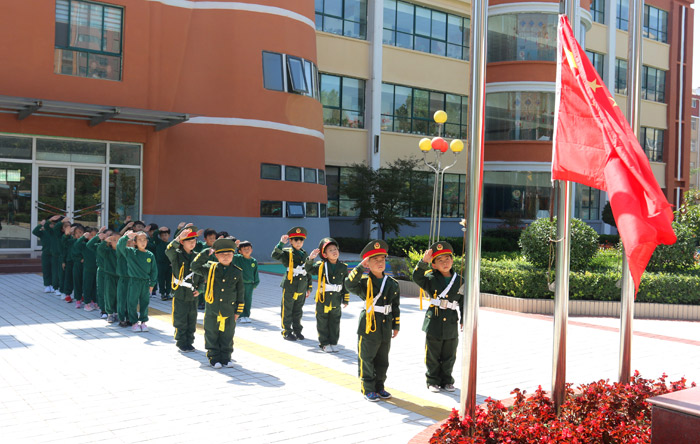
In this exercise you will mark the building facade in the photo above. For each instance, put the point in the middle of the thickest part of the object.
(695, 140)
(162, 110)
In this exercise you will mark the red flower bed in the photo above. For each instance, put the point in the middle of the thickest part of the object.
(600, 413)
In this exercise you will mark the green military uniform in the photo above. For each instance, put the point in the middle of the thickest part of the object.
(294, 286)
(54, 240)
(377, 321)
(164, 268)
(46, 239)
(441, 319)
(184, 302)
(76, 256)
(331, 292)
(251, 277)
(122, 288)
(143, 273)
(110, 280)
(91, 247)
(66, 245)
(89, 273)
(224, 299)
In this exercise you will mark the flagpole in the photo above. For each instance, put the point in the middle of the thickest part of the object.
(634, 69)
(475, 168)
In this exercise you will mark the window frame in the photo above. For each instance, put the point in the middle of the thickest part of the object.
(310, 205)
(289, 206)
(286, 175)
(262, 176)
(281, 206)
(343, 19)
(292, 75)
(340, 109)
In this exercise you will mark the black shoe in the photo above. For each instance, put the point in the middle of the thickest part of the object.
(200, 307)
(299, 336)
(290, 337)
(164, 297)
(122, 323)
(190, 348)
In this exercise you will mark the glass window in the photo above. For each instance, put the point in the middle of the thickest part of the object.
(653, 84)
(295, 209)
(324, 212)
(270, 171)
(292, 173)
(516, 194)
(16, 147)
(270, 208)
(124, 194)
(652, 140)
(342, 17)
(655, 24)
(524, 36)
(272, 71)
(427, 30)
(621, 76)
(321, 177)
(519, 116)
(338, 203)
(15, 204)
(124, 154)
(453, 195)
(587, 203)
(310, 175)
(296, 75)
(71, 150)
(598, 11)
(311, 209)
(623, 14)
(343, 100)
(598, 62)
(88, 39)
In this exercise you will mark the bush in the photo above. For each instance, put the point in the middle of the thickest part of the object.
(537, 242)
(351, 244)
(600, 413)
(679, 256)
(609, 239)
(510, 235)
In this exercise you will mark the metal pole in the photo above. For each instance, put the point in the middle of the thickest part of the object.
(634, 69)
(475, 170)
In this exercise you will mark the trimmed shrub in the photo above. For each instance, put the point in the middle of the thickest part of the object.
(537, 241)
(350, 244)
(679, 256)
(609, 239)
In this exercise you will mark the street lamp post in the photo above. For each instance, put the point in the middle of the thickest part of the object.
(439, 147)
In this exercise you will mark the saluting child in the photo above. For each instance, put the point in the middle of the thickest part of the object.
(251, 279)
(165, 272)
(296, 285)
(107, 250)
(379, 320)
(45, 238)
(330, 292)
(446, 311)
(143, 273)
(181, 253)
(224, 300)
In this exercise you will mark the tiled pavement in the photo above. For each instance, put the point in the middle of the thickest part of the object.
(67, 376)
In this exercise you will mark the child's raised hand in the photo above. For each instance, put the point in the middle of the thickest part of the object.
(102, 235)
(183, 233)
(102, 230)
(284, 239)
(127, 219)
(428, 256)
(42, 222)
(237, 243)
(314, 253)
(148, 228)
(364, 262)
(130, 234)
(180, 225)
(200, 231)
(211, 251)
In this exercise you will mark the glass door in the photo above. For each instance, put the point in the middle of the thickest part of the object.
(88, 196)
(52, 194)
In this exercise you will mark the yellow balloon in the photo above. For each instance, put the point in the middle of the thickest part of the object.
(456, 146)
(440, 116)
(424, 145)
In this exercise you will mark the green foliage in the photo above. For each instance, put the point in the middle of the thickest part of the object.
(679, 256)
(400, 246)
(688, 213)
(538, 246)
(351, 244)
(608, 217)
(609, 239)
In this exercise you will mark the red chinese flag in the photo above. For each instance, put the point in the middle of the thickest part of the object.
(595, 146)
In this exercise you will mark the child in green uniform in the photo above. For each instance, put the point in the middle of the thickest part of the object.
(379, 320)
(165, 272)
(224, 298)
(89, 272)
(181, 253)
(251, 279)
(296, 286)
(107, 250)
(54, 235)
(446, 311)
(210, 237)
(65, 247)
(92, 246)
(77, 259)
(45, 238)
(123, 285)
(330, 292)
(143, 273)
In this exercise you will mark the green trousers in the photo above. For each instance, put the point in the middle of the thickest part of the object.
(109, 285)
(292, 304)
(328, 322)
(78, 281)
(122, 297)
(440, 357)
(89, 285)
(373, 362)
(67, 281)
(219, 344)
(185, 321)
(100, 289)
(137, 301)
(248, 300)
(56, 272)
(46, 268)
(164, 276)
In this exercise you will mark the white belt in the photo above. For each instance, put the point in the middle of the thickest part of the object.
(333, 287)
(444, 303)
(299, 270)
(382, 309)
(187, 285)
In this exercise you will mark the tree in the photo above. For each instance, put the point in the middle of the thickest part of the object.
(383, 196)
(688, 213)
(608, 217)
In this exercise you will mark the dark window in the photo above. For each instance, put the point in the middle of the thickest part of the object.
(338, 202)
(653, 84)
(124, 154)
(655, 24)
(310, 175)
(292, 173)
(342, 17)
(88, 39)
(272, 71)
(598, 11)
(520, 115)
(598, 62)
(652, 140)
(620, 76)
(623, 13)
(16, 147)
(343, 100)
(324, 213)
(295, 209)
(270, 171)
(321, 177)
(311, 209)
(270, 208)
(587, 203)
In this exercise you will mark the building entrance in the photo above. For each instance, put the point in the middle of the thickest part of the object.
(75, 191)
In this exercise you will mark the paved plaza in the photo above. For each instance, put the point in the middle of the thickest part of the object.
(68, 376)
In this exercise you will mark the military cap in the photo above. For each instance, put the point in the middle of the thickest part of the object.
(441, 248)
(191, 235)
(297, 232)
(375, 248)
(326, 241)
(244, 243)
(224, 245)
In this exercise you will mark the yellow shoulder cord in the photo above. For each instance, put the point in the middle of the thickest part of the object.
(435, 296)
(173, 283)
(290, 270)
(370, 317)
(209, 292)
(420, 298)
(321, 288)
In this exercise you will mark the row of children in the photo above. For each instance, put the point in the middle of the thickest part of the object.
(380, 318)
